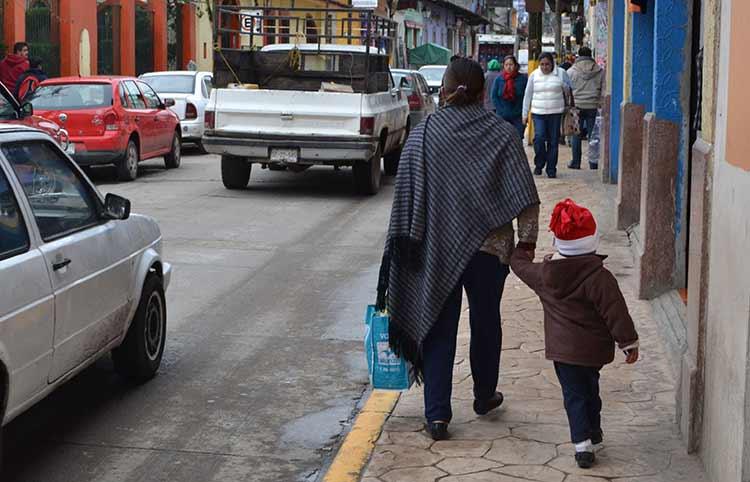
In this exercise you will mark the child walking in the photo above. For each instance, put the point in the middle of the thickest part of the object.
(584, 316)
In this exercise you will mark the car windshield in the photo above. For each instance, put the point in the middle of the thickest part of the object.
(171, 84)
(433, 74)
(71, 96)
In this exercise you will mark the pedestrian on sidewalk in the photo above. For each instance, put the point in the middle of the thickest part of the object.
(30, 80)
(493, 72)
(545, 101)
(587, 81)
(585, 314)
(463, 178)
(508, 93)
(14, 65)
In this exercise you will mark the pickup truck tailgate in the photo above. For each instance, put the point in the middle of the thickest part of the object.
(244, 111)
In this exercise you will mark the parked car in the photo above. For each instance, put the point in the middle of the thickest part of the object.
(417, 92)
(11, 112)
(81, 275)
(111, 120)
(433, 74)
(190, 91)
(332, 111)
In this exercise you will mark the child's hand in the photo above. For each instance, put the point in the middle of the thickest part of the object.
(631, 356)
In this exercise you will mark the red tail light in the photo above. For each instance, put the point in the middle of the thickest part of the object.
(367, 126)
(191, 112)
(111, 122)
(415, 101)
(210, 119)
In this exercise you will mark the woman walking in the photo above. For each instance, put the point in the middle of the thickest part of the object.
(545, 100)
(493, 72)
(463, 178)
(508, 93)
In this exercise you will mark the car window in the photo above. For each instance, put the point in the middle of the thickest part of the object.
(134, 95)
(14, 239)
(207, 85)
(71, 96)
(171, 83)
(433, 74)
(423, 84)
(152, 98)
(61, 201)
(7, 108)
(123, 96)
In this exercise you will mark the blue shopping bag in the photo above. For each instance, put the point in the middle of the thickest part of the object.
(387, 371)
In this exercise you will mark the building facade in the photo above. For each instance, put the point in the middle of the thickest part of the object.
(676, 144)
(110, 37)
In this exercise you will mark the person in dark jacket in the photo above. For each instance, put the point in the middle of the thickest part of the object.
(585, 314)
(493, 72)
(30, 80)
(507, 93)
(14, 65)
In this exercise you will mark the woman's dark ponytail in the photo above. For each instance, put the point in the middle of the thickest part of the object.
(464, 82)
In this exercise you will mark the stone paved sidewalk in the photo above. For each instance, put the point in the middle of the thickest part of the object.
(527, 439)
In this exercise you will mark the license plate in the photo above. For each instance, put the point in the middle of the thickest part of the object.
(289, 156)
(71, 149)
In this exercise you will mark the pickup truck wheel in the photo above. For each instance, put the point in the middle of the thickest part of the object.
(127, 168)
(139, 356)
(367, 174)
(174, 158)
(235, 172)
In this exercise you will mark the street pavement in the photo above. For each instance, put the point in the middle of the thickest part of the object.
(263, 368)
(528, 439)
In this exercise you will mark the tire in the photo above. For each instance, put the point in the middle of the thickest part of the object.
(174, 158)
(127, 168)
(235, 172)
(139, 356)
(367, 174)
(201, 148)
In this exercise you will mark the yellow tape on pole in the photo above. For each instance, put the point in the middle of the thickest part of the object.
(533, 65)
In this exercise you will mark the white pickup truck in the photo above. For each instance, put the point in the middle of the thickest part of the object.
(295, 106)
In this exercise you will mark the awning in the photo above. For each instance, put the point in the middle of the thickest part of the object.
(471, 18)
(429, 54)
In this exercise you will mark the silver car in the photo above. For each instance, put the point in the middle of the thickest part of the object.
(417, 92)
(80, 276)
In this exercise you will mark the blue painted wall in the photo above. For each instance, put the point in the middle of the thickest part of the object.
(642, 81)
(671, 60)
(617, 30)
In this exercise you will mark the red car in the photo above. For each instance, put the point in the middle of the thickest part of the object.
(11, 112)
(111, 120)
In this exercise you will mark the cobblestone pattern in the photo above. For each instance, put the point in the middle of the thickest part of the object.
(527, 439)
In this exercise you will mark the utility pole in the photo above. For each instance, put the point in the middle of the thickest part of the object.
(535, 36)
(558, 30)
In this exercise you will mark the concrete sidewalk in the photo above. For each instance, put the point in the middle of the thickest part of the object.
(527, 439)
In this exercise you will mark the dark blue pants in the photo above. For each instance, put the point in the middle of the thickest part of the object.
(546, 141)
(483, 280)
(580, 388)
(587, 119)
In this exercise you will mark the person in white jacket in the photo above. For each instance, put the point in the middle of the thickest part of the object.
(545, 101)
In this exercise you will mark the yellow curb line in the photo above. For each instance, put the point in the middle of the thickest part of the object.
(358, 445)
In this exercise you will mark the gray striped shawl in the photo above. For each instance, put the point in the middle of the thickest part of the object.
(463, 172)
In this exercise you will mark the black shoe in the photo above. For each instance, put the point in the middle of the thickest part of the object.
(538, 171)
(593, 166)
(573, 166)
(597, 437)
(585, 459)
(483, 407)
(437, 430)
(552, 175)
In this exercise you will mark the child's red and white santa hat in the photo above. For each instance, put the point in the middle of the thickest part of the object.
(574, 228)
